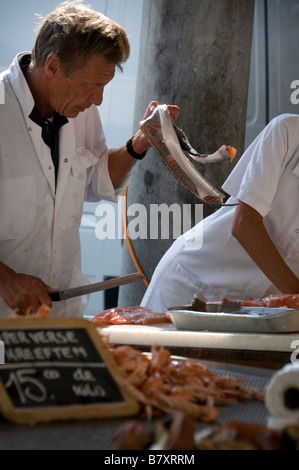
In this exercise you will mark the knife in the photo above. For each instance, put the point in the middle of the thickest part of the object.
(56, 296)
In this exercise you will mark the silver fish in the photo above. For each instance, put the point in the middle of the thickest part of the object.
(221, 155)
(162, 134)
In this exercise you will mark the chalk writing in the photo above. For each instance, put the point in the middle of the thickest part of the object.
(55, 367)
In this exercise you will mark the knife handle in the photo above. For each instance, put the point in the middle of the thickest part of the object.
(54, 296)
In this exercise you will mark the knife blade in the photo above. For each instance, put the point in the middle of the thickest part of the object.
(57, 296)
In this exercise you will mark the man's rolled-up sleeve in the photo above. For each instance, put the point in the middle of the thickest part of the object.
(101, 186)
(255, 178)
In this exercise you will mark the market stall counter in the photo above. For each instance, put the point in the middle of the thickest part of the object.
(48, 361)
(254, 349)
(98, 434)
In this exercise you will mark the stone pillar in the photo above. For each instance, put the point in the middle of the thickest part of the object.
(194, 54)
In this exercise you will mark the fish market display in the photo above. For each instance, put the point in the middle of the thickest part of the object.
(274, 301)
(170, 143)
(43, 311)
(161, 385)
(201, 304)
(173, 432)
(245, 436)
(177, 432)
(129, 316)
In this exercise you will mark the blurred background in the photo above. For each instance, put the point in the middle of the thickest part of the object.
(274, 67)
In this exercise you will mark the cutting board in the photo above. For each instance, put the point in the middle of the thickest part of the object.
(167, 335)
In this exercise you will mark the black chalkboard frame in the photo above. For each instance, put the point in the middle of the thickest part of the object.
(126, 406)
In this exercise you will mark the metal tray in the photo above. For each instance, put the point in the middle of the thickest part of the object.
(246, 319)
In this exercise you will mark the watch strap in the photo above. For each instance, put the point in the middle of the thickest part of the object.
(130, 150)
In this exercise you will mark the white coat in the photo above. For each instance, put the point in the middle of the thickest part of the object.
(208, 260)
(39, 226)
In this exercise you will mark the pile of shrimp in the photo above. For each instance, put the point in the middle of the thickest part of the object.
(44, 311)
(162, 385)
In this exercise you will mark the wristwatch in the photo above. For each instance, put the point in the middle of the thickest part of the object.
(130, 150)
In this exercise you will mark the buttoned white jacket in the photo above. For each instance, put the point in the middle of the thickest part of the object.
(39, 225)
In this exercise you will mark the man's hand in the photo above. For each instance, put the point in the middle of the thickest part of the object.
(140, 141)
(120, 162)
(174, 111)
(23, 293)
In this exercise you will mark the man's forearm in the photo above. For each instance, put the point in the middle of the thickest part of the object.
(121, 162)
(248, 228)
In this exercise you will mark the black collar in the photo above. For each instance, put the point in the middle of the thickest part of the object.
(58, 120)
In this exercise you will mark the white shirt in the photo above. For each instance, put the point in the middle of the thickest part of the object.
(39, 227)
(208, 259)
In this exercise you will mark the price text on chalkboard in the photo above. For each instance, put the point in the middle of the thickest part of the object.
(55, 368)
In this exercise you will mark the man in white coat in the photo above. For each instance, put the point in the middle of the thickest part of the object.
(53, 154)
(248, 250)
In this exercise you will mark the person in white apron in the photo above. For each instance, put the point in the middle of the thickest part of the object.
(53, 155)
(245, 251)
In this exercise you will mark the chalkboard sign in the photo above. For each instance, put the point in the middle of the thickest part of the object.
(58, 369)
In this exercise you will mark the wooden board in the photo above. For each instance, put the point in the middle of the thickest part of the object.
(1, 352)
(58, 369)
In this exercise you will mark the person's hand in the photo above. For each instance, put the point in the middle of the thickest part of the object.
(174, 111)
(24, 293)
(140, 142)
(121, 161)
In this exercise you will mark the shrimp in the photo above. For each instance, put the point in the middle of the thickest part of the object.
(207, 414)
(162, 385)
(161, 358)
(43, 311)
(132, 363)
